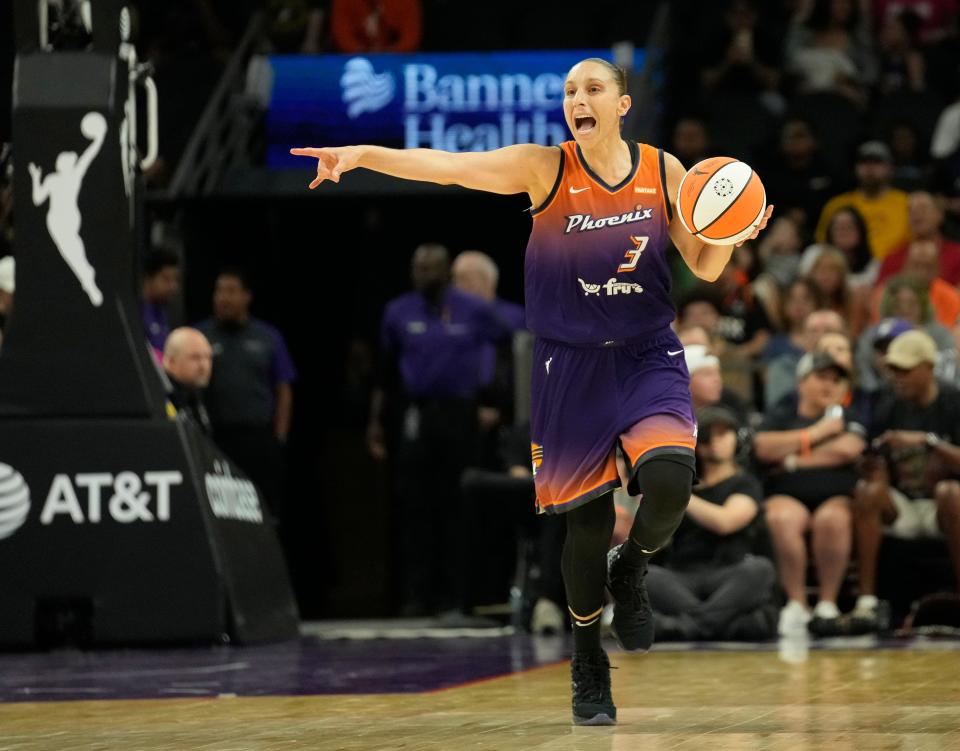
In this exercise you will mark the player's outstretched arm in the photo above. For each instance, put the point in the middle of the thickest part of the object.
(705, 261)
(513, 169)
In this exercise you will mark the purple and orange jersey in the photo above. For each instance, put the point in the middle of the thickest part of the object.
(596, 265)
(607, 368)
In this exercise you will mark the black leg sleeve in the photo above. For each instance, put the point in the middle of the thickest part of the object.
(666, 483)
(584, 565)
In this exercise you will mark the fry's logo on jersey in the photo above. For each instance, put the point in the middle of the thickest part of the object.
(612, 287)
(585, 222)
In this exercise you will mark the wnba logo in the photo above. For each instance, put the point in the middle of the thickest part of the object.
(14, 500)
(363, 89)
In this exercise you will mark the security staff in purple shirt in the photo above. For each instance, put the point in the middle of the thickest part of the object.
(477, 273)
(433, 343)
(161, 283)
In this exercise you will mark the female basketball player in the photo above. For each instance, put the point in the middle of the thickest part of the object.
(607, 366)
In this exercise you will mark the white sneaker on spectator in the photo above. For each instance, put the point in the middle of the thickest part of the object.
(547, 618)
(794, 618)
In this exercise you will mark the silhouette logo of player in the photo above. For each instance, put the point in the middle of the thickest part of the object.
(62, 187)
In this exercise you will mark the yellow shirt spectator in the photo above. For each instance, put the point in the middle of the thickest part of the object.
(884, 209)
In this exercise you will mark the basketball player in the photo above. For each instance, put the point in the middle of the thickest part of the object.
(607, 366)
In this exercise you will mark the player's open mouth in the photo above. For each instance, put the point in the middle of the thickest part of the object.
(584, 124)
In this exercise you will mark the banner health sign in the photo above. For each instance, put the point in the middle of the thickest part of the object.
(453, 101)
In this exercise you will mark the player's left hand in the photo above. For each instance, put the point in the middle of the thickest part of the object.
(762, 225)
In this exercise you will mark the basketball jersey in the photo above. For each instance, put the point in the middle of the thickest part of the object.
(596, 269)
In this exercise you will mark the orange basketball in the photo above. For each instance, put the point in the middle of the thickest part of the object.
(721, 200)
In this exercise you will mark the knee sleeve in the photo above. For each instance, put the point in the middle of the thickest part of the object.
(666, 483)
(584, 560)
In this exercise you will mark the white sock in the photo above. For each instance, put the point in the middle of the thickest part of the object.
(866, 602)
(826, 609)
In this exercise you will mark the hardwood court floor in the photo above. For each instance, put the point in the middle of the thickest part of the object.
(833, 699)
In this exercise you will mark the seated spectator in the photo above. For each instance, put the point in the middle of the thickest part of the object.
(911, 168)
(706, 382)
(923, 266)
(691, 141)
(926, 221)
(901, 63)
(384, 26)
(809, 453)
(708, 585)
(910, 489)
(904, 297)
(828, 49)
(742, 61)
(743, 321)
(872, 371)
(847, 232)
(800, 300)
(161, 283)
(779, 255)
(782, 371)
(7, 288)
(883, 207)
(798, 175)
(828, 270)
(188, 362)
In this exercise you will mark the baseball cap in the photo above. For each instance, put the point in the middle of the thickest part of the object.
(716, 414)
(910, 349)
(874, 151)
(816, 361)
(890, 328)
(7, 274)
(698, 356)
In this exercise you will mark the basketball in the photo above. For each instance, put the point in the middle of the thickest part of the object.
(721, 200)
(93, 125)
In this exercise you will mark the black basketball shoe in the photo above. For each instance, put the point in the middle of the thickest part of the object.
(592, 700)
(632, 615)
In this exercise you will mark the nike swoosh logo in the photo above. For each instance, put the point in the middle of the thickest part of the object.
(698, 172)
(579, 190)
(672, 354)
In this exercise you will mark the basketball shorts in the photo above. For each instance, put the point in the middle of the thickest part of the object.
(586, 400)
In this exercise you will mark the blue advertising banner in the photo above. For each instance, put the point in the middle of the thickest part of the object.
(454, 101)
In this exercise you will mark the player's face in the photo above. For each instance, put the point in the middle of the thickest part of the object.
(592, 104)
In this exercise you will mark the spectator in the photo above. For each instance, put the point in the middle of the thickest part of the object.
(872, 346)
(809, 453)
(250, 397)
(706, 382)
(801, 299)
(910, 489)
(7, 288)
(691, 141)
(295, 26)
(378, 26)
(799, 175)
(847, 232)
(828, 49)
(188, 362)
(933, 19)
(911, 170)
(434, 340)
(922, 265)
(926, 221)
(902, 67)
(743, 321)
(781, 372)
(884, 208)
(907, 298)
(829, 272)
(161, 283)
(743, 60)
(945, 150)
(710, 586)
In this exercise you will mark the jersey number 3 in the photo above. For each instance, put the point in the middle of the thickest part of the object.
(632, 256)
